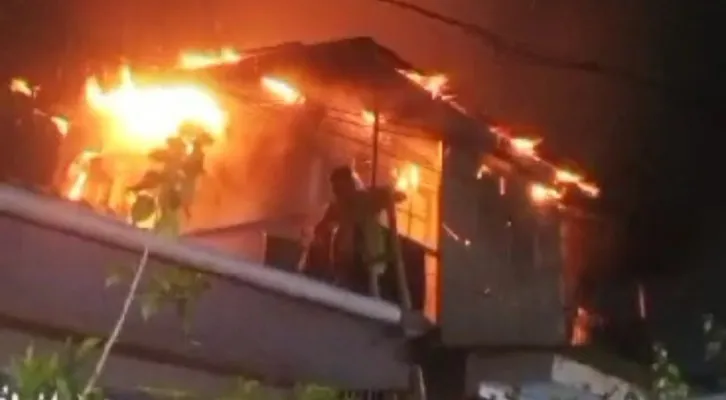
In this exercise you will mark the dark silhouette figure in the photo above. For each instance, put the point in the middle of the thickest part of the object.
(349, 245)
(29, 143)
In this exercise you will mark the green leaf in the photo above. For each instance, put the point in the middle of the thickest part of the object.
(30, 353)
(86, 346)
(708, 322)
(150, 305)
(184, 311)
(63, 389)
(168, 224)
(315, 392)
(118, 274)
(143, 208)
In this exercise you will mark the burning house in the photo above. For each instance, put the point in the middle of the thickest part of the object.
(486, 227)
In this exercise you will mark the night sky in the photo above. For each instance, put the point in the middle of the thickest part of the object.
(656, 151)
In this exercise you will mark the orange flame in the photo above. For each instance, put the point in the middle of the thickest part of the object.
(565, 176)
(20, 85)
(283, 90)
(581, 326)
(525, 147)
(369, 118)
(436, 84)
(483, 170)
(143, 116)
(569, 177)
(408, 179)
(590, 189)
(541, 194)
(62, 124)
(199, 60)
(79, 168)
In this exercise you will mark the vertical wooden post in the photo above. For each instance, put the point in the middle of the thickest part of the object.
(376, 135)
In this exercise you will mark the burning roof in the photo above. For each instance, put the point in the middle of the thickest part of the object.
(380, 80)
(144, 107)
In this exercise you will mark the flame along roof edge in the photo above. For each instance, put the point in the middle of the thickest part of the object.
(450, 121)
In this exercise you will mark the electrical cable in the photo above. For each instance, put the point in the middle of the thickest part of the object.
(521, 52)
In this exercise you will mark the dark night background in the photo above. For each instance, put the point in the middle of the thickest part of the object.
(656, 151)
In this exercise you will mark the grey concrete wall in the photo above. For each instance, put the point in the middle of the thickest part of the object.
(52, 285)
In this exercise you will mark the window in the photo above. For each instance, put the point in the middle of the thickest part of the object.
(415, 217)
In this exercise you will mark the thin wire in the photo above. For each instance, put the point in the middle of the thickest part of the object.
(522, 52)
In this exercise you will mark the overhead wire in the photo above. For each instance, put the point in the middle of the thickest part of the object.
(343, 116)
(523, 53)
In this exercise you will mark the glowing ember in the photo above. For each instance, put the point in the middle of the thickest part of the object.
(369, 118)
(79, 174)
(524, 147)
(408, 179)
(436, 84)
(143, 116)
(199, 60)
(483, 170)
(565, 176)
(283, 90)
(568, 177)
(589, 189)
(19, 85)
(62, 124)
(581, 326)
(541, 194)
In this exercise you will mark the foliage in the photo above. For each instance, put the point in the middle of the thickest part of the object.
(245, 389)
(668, 384)
(51, 374)
(715, 336)
(162, 196)
(315, 392)
(178, 287)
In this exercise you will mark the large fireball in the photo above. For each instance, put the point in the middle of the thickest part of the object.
(140, 117)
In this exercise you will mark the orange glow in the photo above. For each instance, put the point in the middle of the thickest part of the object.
(79, 175)
(62, 124)
(568, 177)
(589, 189)
(436, 84)
(141, 117)
(369, 118)
(565, 176)
(283, 90)
(483, 170)
(19, 85)
(541, 194)
(408, 179)
(581, 325)
(199, 60)
(524, 147)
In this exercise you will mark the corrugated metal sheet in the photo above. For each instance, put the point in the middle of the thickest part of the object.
(501, 266)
